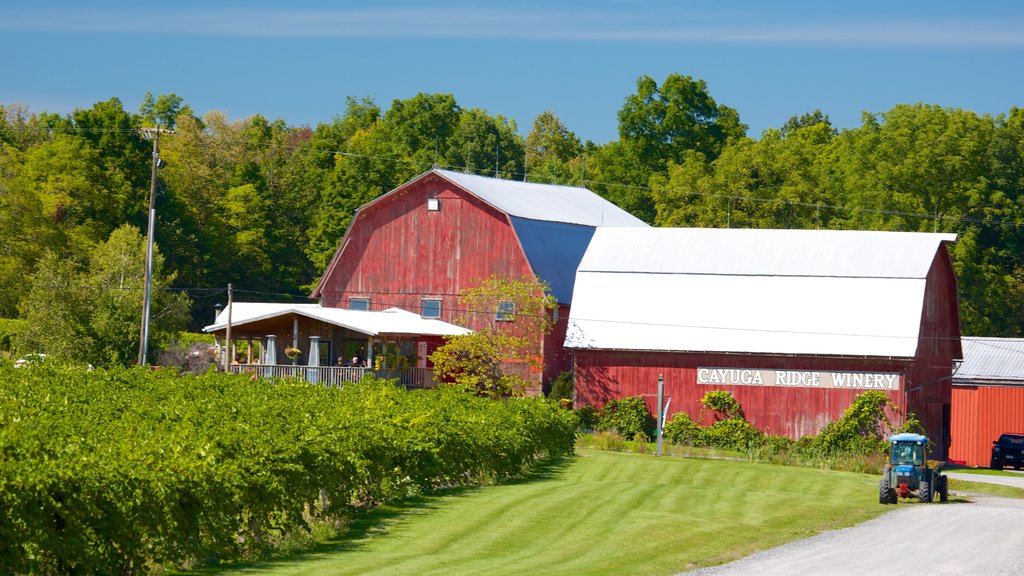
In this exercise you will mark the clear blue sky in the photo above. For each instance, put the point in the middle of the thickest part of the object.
(299, 60)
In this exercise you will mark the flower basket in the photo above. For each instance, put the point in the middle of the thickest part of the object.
(292, 353)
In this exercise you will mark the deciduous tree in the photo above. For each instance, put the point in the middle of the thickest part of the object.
(510, 318)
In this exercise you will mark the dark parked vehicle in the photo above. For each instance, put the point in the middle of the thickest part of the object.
(1008, 451)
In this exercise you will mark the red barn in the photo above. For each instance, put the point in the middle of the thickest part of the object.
(794, 323)
(420, 245)
(988, 397)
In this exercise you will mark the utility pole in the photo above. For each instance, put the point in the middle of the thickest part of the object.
(227, 333)
(144, 335)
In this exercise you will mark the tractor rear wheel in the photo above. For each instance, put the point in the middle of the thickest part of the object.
(943, 488)
(924, 491)
(886, 495)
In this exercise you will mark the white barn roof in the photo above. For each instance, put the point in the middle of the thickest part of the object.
(392, 321)
(545, 202)
(991, 361)
(826, 292)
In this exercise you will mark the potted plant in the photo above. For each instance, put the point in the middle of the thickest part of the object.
(292, 354)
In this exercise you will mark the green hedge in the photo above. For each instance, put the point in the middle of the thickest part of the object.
(10, 328)
(121, 471)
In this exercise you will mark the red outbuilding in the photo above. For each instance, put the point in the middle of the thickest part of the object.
(988, 397)
(794, 323)
(420, 245)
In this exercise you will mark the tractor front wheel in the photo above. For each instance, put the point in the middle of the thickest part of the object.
(924, 491)
(886, 495)
(943, 488)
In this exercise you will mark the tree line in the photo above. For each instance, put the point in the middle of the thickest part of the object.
(263, 204)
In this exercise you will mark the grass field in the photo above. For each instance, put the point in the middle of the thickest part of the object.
(598, 513)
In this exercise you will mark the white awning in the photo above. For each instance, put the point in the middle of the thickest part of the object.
(393, 321)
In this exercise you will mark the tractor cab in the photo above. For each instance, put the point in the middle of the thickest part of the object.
(907, 450)
(908, 473)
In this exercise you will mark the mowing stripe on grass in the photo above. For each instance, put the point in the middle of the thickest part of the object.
(600, 513)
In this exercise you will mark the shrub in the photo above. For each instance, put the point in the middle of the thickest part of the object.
(912, 425)
(723, 402)
(860, 430)
(10, 329)
(562, 388)
(681, 429)
(733, 434)
(629, 416)
(589, 418)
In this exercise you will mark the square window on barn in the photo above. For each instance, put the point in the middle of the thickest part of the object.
(358, 303)
(506, 312)
(430, 308)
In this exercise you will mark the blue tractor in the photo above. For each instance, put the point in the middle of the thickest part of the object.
(908, 474)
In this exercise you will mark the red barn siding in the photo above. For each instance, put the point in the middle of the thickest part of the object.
(792, 412)
(397, 252)
(980, 415)
(930, 379)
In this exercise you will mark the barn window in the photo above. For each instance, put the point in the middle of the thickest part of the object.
(506, 311)
(430, 308)
(358, 303)
(433, 204)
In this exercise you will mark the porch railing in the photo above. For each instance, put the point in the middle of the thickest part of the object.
(337, 376)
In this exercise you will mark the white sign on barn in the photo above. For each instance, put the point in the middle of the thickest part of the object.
(799, 378)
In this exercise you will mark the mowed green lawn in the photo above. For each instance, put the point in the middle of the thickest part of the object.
(598, 513)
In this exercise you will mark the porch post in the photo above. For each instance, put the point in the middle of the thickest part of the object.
(270, 355)
(295, 331)
(314, 359)
(369, 352)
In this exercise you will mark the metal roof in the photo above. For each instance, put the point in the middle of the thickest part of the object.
(752, 291)
(853, 253)
(546, 202)
(372, 323)
(991, 361)
(554, 251)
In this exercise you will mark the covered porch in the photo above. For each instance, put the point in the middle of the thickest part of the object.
(328, 345)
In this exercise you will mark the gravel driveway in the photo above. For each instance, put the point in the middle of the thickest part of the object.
(980, 537)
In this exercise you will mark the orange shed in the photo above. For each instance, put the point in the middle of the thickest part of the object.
(988, 397)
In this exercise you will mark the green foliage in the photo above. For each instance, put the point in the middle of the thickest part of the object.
(91, 312)
(120, 471)
(681, 429)
(551, 149)
(497, 358)
(732, 434)
(10, 330)
(856, 441)
(722, 402)
(234, 197)
(163, 110)
(861, 429)
(629, 417)
(664, 121)
(589, 418)
(562, 389)
(912, 425)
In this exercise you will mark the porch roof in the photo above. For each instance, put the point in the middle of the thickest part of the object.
(393, 321)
